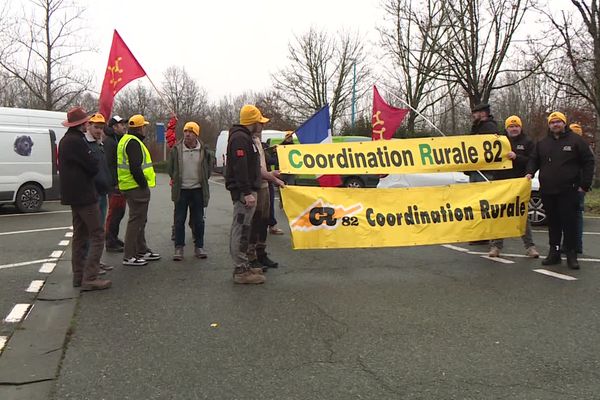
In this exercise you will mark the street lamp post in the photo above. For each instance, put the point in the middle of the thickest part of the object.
(353, 94)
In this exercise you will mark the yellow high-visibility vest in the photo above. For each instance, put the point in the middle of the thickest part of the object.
(126, 181)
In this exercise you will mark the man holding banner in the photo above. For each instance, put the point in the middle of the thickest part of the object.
(566, 166)
(243, 180)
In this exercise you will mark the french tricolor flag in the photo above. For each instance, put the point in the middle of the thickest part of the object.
(316, 129)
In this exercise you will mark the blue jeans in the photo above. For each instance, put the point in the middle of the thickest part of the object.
(192, 199)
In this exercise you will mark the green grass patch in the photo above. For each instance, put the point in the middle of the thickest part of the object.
(592, 202)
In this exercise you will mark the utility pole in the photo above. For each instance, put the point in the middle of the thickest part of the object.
(353, 95)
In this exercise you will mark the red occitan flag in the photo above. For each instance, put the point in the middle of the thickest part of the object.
(386, 119)
(122, 68)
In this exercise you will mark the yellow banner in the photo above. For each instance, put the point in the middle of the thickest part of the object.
(348, 218)
(403, 156)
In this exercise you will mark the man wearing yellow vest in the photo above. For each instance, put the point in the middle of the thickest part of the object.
(136, 176)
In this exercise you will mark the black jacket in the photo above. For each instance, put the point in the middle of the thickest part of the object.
(565, 163)
(102, 179)
(485, 127)
(242, 175)
(77, 167)
(111, 142)
(522, 146)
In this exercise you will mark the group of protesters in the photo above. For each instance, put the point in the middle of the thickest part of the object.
(565, 161)
(106, 168)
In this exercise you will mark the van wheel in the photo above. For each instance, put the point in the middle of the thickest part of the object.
(354, 182)
(536, 214)
(30, 198)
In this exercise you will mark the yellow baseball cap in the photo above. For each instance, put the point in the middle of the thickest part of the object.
(250, 114)
(557, 115)
(576, 128)
(97, 119)
(513, 120)
(193, 127)
(137, 120)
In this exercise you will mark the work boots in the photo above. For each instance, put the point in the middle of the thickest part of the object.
(572, 259)
(243, 275)
(553, 257)
(267, 262)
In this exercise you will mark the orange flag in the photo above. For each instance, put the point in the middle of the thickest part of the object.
(386, 119)
(122, 68)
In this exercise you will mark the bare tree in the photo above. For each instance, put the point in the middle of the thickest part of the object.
(414, 30)
(138, 99)
(478, 42)
(321, 71)
(40, 51)
(183, 94)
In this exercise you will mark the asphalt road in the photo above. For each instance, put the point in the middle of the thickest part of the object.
(25, 245)
(428, 322)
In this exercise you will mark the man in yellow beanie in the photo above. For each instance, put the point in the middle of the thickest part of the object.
(566, 166)
(521, 148)
(189, 168)
(243, 180)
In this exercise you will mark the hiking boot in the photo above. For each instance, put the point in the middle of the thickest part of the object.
(552, 258)
(106, 267)
(273, 230)
(120, 242)
(572, 260)
(494, 252)
(76, 282)
(134, 262)
(245, 276)
(267, 262)
(256, 267)
(149, 256)
(101, 272)
(200, 253)
(96, 284)
(532, 252)
(114, 248)
(178, 254)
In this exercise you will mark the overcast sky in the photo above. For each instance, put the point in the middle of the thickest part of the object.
(228, 46)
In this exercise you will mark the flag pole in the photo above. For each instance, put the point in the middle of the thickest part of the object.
(426, 119)
(160, 95)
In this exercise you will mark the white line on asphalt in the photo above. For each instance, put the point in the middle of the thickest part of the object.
(3, 340)
(452, 247)
(47, 268)
(555, 274)
(497, 259)
(21, 264)
(218, 183)
(37, 213)
(35, 286)
(585, 233)
(60, 228)
(69, 234)
(56, 254)
(17, 313)
(63, 243)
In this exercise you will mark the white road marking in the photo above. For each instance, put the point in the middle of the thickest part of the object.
(35, 286)
(452, 247)
(3, 340)
(63, 243)
(555, 274)
(585, 233)
(47, 268)
(56, 254)
(60, 228)
(21, 264)
(496, 259)
(17, 313)
(33, 214)
(69, 234)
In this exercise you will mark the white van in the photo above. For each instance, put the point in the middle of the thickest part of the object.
(28, 169)
(28, 152)
(221, 148)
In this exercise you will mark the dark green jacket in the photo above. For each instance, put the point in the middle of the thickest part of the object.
(174, 166)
